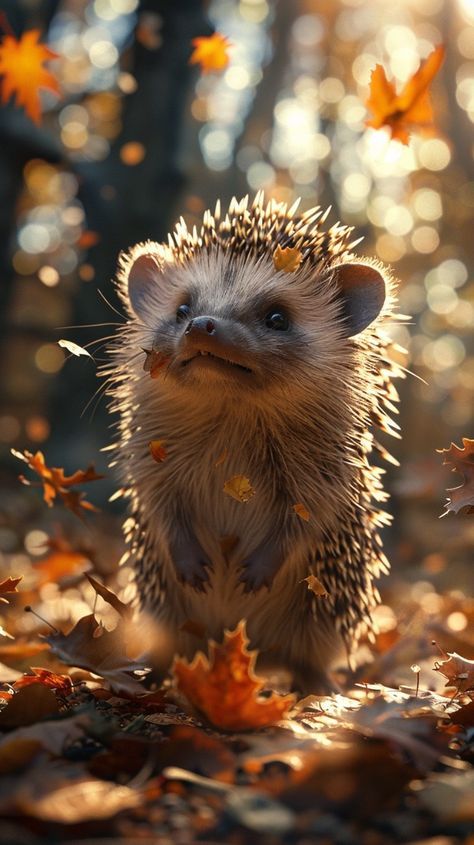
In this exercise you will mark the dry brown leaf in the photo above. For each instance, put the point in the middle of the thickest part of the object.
(9, 585)
(458, 670)
(301, 511)
(461, 460)
(225, 688)
(287, 258)
(157, 450)
(411, 108)
(56, 483)
(124, 610)
(211, 52)
(239, 488)
(315, 585)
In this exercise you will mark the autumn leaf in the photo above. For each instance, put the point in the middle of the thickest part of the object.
(411, 108)
(74, 348)
(287, 258)
(460, 460)
(62, 683)
(124, 610)
(88, 239)
(9, 585)
(211, 52)
(56, 483)
(157, 450)
(90, 646)
(315, 585)
(458, 670)
(225, 688)
(154, 362)
(239, 488)
(21, 66)
(301, 511)
(63, 560)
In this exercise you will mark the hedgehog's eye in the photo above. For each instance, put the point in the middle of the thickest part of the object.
(183, 313)
(277, 320)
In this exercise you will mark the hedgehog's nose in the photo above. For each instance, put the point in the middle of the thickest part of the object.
(200, 326)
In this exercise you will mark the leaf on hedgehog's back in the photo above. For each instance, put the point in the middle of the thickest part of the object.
(157, 450)
(211, 52)
(301, 511)
(461, 460)
(315, 585)
(225, 688)
(73, 348)
(287, 258)
(90, 646)
(239, 488)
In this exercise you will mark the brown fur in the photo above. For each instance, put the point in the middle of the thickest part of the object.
(300, 429)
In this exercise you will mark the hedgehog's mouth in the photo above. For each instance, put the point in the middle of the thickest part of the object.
(215, 360)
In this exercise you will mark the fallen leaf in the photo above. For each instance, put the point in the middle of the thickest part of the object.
(21, 649)
(411, 108)
(225, 688)
(240, 488)
(28, 706)
(157, 450)
(124, 610)
(301, 511)
(460, 460)
(287, 258)
(21, 65)
(73, 348)
(90, 646)
(314, 584)
(51, 735)
(458, 670)
(211, 52)
(9, 585)
(55, 482)
(154, 362)
(61, 683)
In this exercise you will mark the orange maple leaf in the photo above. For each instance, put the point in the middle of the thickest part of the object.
(21, 65)
(411, 108)
(225, 688)
(211, 52)
(55, 482)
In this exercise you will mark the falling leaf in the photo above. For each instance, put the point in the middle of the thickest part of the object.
(301, 511)
(154, 362)
(225, 688)
(124, 610)
(411, 108)
(62, 561)
(240, 488)
(21, 66)
(458, 670)
(287, 258)
(211, 52)
(90, 646)
(87, 239)
(157, 450)
(462, 461)
(9, 585)
(74, 348)
(55, 482)
(315, 585)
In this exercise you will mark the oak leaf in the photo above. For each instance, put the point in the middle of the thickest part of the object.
(56, 483)
(21, 66)
(411, 108)
(239, 488)
(225, 688)
(287, 258)
(461, 460)
(211, 52)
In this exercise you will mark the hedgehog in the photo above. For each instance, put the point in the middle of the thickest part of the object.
(274, 377)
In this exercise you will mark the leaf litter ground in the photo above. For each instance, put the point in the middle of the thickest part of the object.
(93, 749)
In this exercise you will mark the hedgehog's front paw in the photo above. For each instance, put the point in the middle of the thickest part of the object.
(260, 568)
(190, 562)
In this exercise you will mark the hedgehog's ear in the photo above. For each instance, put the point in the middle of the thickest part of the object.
(362, 293)
(142, 280)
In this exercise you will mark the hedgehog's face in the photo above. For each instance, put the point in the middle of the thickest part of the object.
(228, 324)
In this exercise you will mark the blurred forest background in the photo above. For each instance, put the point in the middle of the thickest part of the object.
(139, 137)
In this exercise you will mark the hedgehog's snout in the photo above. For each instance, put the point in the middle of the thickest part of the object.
(201, 325)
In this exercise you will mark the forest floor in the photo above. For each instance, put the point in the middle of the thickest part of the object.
(91, 751)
